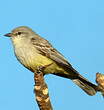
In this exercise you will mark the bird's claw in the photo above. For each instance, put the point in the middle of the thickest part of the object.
(41, 68)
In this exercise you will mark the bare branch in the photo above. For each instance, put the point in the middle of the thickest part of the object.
(100, 82)
(41, 91)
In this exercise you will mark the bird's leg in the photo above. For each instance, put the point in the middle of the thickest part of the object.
(41, 68)
(39, 74)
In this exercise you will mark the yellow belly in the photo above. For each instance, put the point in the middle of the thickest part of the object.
(40, 60)
(31, 59)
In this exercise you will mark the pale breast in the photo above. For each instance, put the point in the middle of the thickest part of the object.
(27, 55)
(31, 59)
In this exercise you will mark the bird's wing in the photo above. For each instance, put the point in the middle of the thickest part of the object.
(46, 49)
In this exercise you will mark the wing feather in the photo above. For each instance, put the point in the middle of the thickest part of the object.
(46, 49)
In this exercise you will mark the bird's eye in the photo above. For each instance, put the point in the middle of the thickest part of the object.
(19, 33)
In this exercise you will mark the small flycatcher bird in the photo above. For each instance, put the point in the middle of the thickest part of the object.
(33, 51)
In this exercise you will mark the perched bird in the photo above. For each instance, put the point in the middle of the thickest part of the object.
(33, 51)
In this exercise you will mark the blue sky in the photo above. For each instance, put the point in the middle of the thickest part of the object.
(75, 28)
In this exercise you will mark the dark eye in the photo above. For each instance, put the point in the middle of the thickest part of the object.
(19, 33)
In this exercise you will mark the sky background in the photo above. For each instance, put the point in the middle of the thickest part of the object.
(75, 28)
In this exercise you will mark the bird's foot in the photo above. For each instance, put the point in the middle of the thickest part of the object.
(41, 68)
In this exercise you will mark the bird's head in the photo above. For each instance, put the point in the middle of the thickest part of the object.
(20, 32)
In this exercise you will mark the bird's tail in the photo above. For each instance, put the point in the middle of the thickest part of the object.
(86, 85)
(83, 83)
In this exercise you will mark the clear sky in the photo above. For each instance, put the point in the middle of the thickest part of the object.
(75, 28)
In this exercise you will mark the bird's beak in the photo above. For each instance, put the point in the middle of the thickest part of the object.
(8, 35)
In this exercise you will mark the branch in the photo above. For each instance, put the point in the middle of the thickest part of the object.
(100, 82)
(41, 91)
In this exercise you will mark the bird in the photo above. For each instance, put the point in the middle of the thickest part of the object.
(33, 51)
